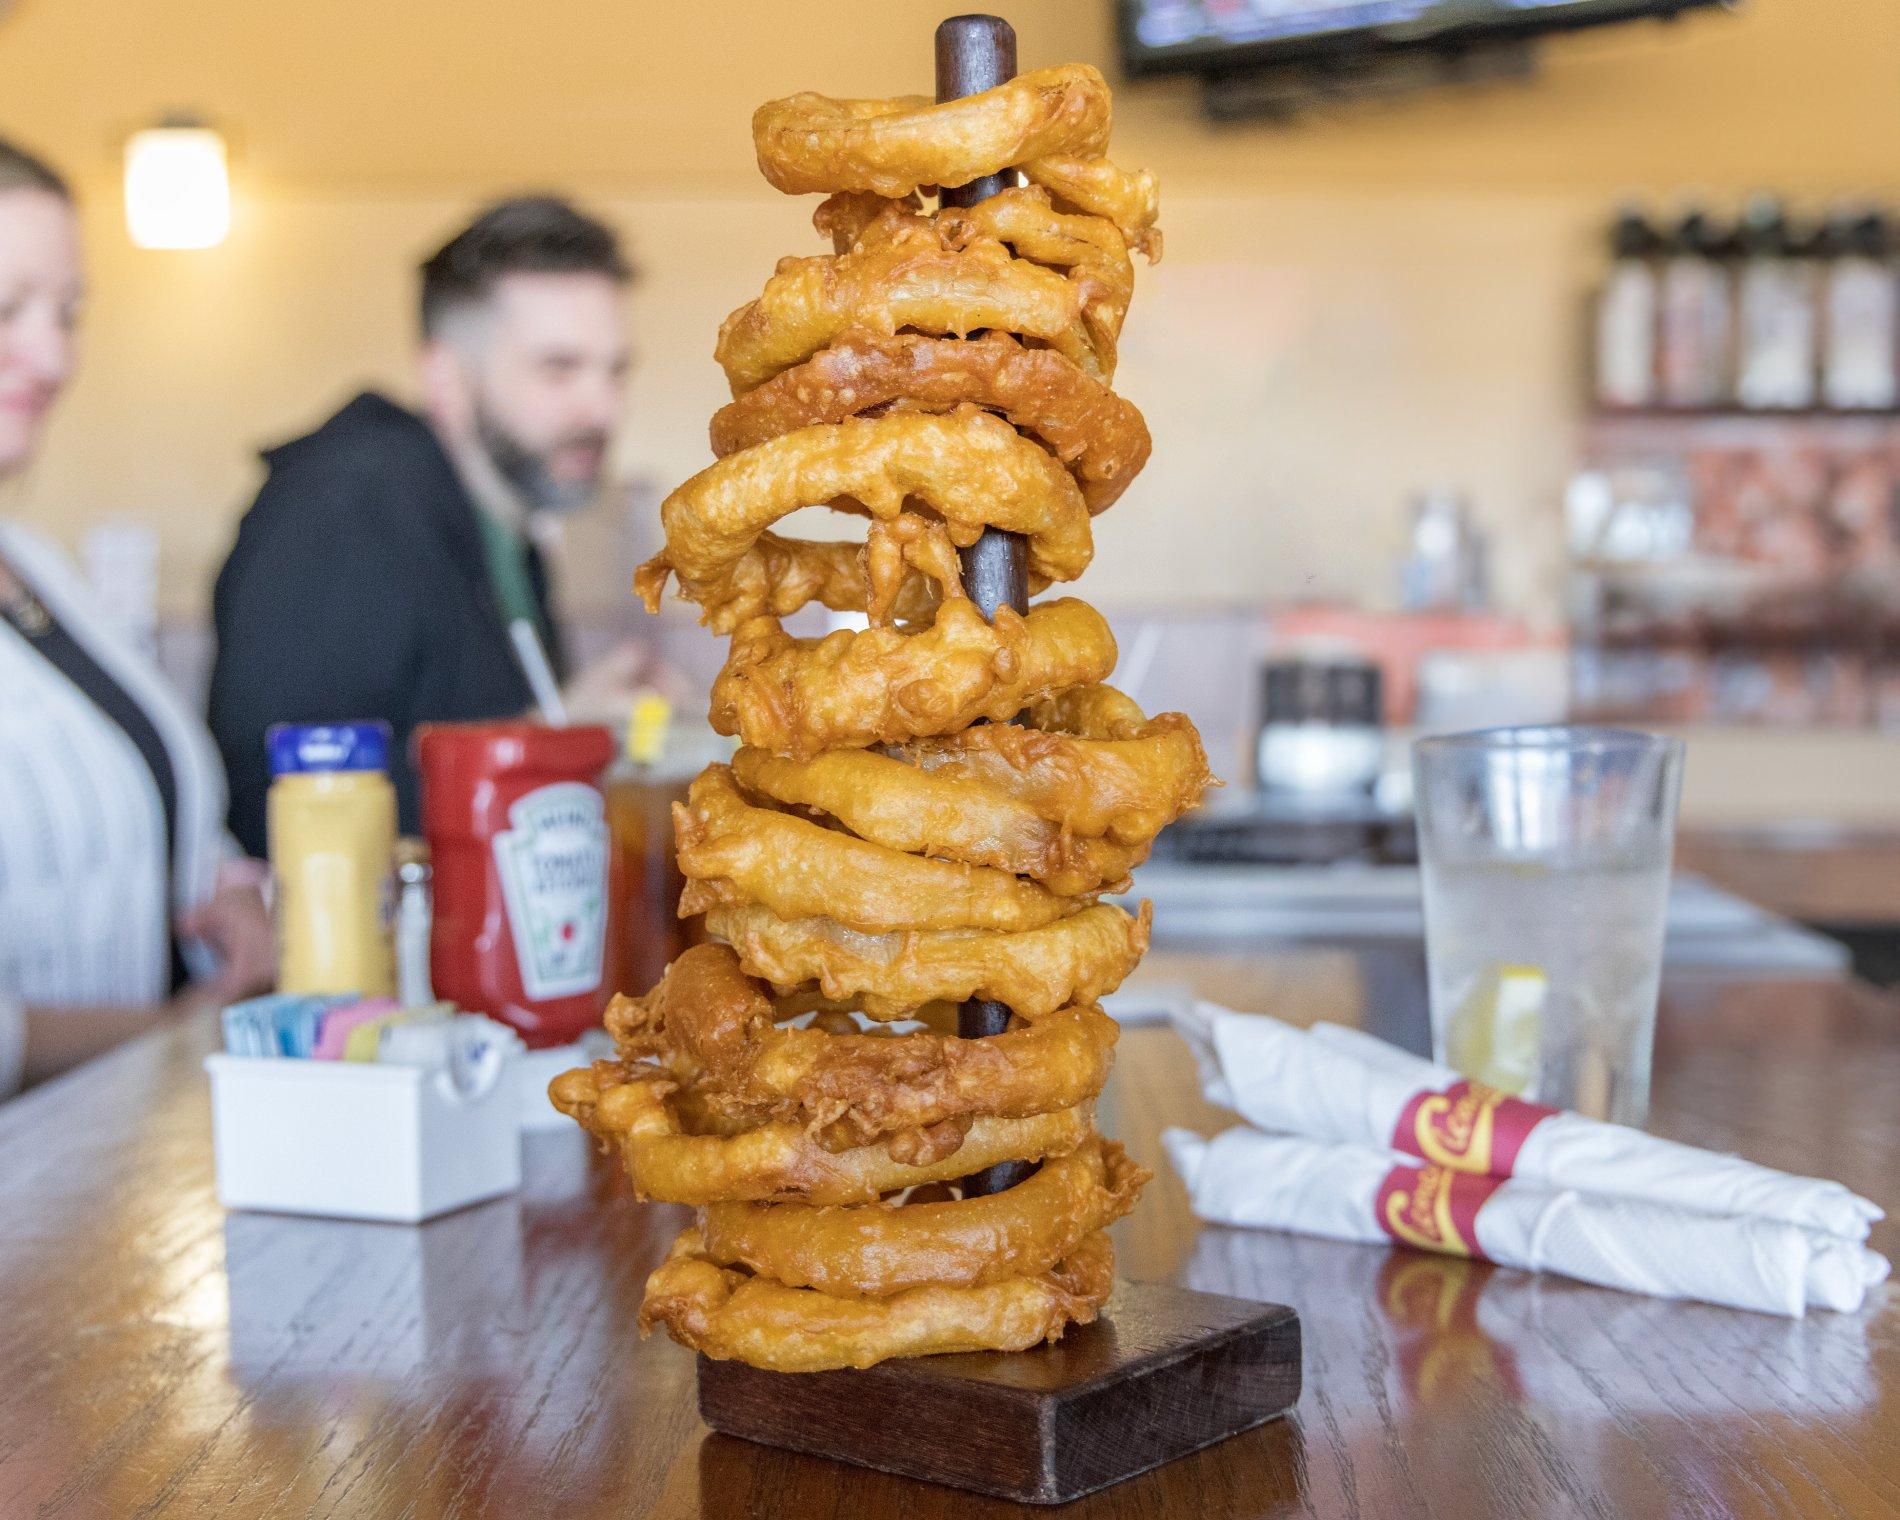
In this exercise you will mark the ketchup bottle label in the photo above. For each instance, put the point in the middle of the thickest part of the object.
(552, 862)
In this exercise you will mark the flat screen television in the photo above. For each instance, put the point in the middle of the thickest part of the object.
(1212, 36)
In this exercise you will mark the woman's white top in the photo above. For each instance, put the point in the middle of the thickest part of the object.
(85, 909)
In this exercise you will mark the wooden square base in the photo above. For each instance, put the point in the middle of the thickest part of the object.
(1165, 1371)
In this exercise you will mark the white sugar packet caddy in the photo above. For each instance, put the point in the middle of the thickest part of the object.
(1284, 1182)
(363, 1140)
(1336, 1084)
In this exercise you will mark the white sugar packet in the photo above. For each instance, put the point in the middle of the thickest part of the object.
(1338, 1084)
(1283, 1182)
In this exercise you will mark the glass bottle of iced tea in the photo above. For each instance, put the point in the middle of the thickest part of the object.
(644, 931)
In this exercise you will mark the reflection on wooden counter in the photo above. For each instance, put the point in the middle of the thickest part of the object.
(170, 1359)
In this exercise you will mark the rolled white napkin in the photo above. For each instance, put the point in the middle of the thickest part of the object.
(1354, 1192)
(1337, 1084)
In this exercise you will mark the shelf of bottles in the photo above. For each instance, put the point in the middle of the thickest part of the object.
(1734, 528)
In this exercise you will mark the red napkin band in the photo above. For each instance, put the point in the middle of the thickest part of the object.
(1433, 1208)
(1468, 1128)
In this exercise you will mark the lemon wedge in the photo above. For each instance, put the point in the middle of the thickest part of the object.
(1494, 1033)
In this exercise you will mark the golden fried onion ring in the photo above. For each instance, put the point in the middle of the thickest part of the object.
(1101, 437)
(928, 812)
(903, 571)
(970, 468)
(809, 142)
(1077, 959)
(798, 868)
(1053, 124)
(809, 302)
(1088, 249)
(1086, 756)
(847, 218)
(718, 1026)
(887, 1248)
(725, 1314)
(635, 1109)
(881, 686)
(776, 577)
(1129, 198)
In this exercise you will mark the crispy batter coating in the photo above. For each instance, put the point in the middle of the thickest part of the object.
(906, 568)
(775, 578)
(635, 1109)
(808, 302)
(1053, 124)
(1088, 249)
(725, 1314)
(1101, 437)
(1130, 199)
(797, 868)
(847, 690)
(809, 142)
(720, 1028)
(847, 218)
(907, 808)
(888, 1248)
(1121, 778)
(1077, 959)
(969, 468)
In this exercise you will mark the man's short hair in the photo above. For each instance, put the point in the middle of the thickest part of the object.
(529, 234)
(21, 170)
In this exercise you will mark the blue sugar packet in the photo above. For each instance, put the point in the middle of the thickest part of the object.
(249, 1029)
(282, 1024)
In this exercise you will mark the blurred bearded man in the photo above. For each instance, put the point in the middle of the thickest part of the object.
(383, 562)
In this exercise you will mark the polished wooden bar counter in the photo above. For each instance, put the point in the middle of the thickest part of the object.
(160, 1357)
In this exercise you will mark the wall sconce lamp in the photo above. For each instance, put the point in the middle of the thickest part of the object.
(177, 186)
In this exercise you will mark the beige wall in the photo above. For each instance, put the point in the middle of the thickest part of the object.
(1348, 307)
(654, 95)
(1299, 374)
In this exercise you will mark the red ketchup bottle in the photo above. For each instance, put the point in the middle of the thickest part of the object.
(518, 837)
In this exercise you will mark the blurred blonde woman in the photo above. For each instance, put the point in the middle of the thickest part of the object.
(115, 872)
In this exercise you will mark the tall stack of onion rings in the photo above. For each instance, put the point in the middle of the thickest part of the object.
(924, 810)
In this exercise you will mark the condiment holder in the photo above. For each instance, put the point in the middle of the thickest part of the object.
(363, 1140)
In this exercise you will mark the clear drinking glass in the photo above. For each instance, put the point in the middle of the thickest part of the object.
(1544, 854)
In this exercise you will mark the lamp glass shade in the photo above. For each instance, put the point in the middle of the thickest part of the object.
(177, 188)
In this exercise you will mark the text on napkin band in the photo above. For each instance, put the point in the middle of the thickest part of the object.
(1468, 1127)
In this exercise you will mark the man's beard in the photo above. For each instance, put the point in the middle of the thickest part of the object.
(526, 470)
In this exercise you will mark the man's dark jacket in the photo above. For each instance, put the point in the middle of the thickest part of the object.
(358, 588)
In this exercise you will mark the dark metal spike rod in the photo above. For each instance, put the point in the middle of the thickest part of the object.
(976, 53)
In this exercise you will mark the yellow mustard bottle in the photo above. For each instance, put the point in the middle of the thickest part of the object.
(331, 816)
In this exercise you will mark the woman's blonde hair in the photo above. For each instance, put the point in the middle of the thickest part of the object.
(21, 170)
